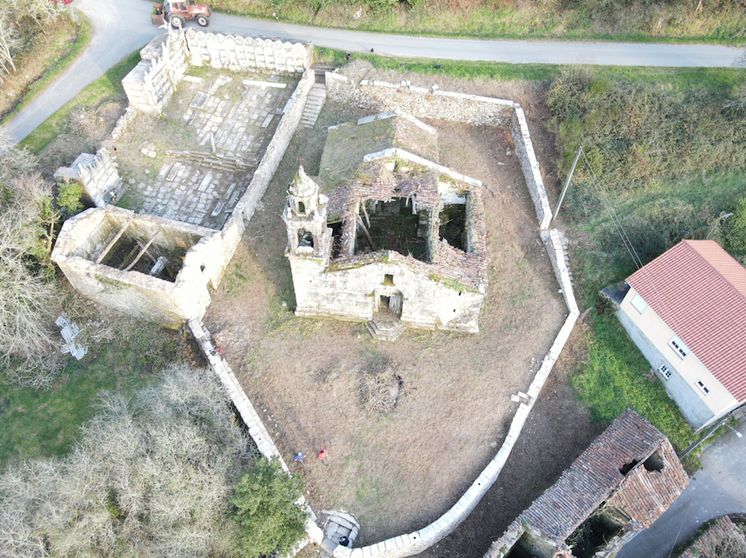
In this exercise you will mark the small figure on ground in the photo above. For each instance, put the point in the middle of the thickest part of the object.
(322, 456)
(371, 50)
(347, 57)
(299, 457)
(344, 541)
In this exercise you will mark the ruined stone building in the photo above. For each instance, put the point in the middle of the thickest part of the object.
(386, 235)
(617, 487)
(156, 259)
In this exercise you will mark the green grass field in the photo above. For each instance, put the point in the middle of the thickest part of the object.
(62, 57)
(37, 424)
(107, 87)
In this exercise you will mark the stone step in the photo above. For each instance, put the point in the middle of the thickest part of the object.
(385, 331)
(314, 103)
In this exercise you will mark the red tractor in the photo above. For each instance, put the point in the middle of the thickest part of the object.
(177, 12)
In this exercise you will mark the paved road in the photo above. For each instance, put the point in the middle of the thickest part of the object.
(122, 26)
(717, 489)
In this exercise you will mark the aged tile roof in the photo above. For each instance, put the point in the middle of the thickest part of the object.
(722, 539)
(699, 291)
(376, 182)
(595, 479)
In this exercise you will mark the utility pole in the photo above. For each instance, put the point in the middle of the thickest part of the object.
(567, 183)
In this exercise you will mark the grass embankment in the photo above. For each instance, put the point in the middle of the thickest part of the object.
(668, 149)
(106, 88)
(46, 423)
(49, 56)
(679, 21)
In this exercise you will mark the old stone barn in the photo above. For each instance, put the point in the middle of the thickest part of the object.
(385, 234)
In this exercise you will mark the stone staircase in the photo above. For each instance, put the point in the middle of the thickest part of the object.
(314, 102)
(385, 331)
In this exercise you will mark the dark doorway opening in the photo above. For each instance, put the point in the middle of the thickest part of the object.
(453, 225)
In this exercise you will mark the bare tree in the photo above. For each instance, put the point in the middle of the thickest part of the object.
(10, 42)
(29, 301)
(150, 476)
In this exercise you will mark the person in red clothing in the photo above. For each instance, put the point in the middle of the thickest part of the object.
(322, 456)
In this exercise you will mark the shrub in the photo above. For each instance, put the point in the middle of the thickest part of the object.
(734, 229)
(269, 520)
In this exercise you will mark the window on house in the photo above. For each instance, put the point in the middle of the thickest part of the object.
(679, 347)
(703, 388)
(665, 371)
(639, 303)
(388, 279)
(301, 208)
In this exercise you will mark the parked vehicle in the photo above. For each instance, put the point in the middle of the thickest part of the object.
(177, 12)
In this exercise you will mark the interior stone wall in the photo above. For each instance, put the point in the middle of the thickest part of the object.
(166, 59)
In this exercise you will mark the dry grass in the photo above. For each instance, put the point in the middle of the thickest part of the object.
(398, 468)
(46, 50)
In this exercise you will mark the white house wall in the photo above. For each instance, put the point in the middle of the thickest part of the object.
(352, 294)
(651, 335)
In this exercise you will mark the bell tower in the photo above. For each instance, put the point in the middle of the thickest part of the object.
(305, 218)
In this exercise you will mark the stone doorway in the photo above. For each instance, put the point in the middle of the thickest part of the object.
(389, 306)
(386, 323)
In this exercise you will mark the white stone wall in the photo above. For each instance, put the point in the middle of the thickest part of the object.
(524, 149)
(166, 59)
(250, 417)
(243, 54)
(346, 294)
(420, 102)
(277, 146)
(131, 292)
(417, 541)
(151, 84)
(97, 174)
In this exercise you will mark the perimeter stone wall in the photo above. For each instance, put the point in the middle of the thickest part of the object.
(277, 146)
(246, 54)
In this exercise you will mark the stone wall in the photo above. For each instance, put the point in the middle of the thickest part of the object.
(84, 237)
(524, 149)
(416, 542)
(166, 59)
(433, 103)
(151, 84)
(97, 174)
(151, 89)
(346, 293)
(246, 54)
(420, 102)
(276, 148)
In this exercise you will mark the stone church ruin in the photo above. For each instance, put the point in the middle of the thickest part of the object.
(392, 238)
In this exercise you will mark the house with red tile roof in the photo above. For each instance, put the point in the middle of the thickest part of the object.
(619, 486)
(686, 312)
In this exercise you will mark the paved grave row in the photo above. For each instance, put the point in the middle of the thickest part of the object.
(193, 194)
(234, 119)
